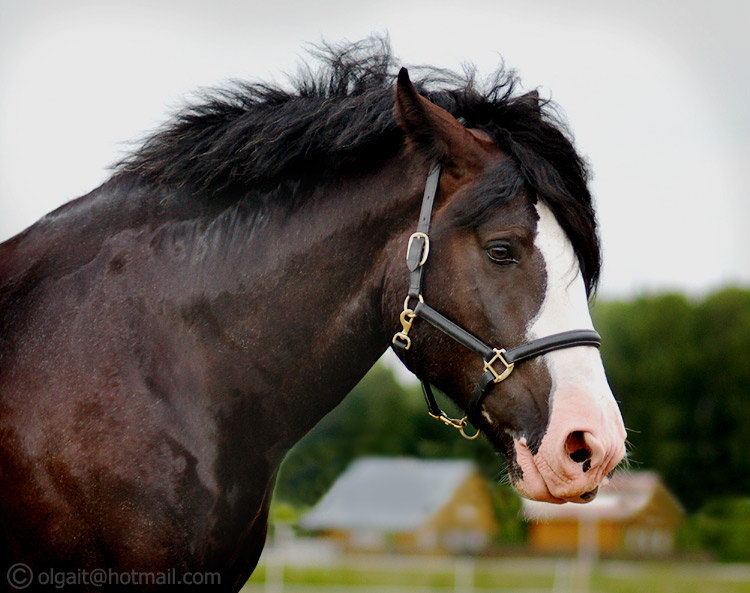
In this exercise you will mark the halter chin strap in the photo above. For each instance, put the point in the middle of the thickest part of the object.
(498, 362)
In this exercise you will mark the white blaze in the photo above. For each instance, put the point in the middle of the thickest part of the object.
(565, 306)
(581, 400)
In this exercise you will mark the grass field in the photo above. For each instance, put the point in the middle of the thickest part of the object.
(522, 575)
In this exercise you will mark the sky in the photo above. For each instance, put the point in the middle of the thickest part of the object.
(655, 93)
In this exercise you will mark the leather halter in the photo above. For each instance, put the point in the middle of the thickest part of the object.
(498, 362)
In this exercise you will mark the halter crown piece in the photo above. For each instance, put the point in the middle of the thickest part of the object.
(498, 362)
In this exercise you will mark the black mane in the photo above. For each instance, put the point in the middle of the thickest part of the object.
(340, 119)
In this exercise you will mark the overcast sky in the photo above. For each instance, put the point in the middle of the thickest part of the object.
(656, 93)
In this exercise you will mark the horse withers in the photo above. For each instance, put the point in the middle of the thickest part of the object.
(165, 339)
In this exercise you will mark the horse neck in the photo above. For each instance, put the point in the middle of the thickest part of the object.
(280, 308)
(296, 297)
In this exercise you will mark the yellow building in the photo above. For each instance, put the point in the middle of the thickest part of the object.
(407, 505)
(634, 515)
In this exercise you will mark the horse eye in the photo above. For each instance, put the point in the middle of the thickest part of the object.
(500, 254)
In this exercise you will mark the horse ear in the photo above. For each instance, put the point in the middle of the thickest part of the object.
(531, 100)
(412, 114)
(435, 132)
(431, 129)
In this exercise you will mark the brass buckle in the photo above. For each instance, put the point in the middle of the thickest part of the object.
(499, 358)
(457, 423)
(425, 247)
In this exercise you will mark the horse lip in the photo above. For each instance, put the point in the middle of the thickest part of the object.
(533, 484)
(590, 495)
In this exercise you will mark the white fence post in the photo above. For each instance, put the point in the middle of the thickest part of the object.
(274, 574)
(464, 574)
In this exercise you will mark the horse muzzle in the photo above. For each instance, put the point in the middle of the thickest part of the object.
(584, 443)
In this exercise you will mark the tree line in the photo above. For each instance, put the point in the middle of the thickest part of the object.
(681, 371)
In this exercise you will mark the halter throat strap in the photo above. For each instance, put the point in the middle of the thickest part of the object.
(498, 362)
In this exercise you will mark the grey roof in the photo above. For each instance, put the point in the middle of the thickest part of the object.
(623, 497)
(388, 494)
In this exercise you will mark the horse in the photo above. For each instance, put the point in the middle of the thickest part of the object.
(167, 338)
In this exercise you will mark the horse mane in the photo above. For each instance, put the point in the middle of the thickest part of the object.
(250, 138)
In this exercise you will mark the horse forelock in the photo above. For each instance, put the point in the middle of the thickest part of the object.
(338, 120)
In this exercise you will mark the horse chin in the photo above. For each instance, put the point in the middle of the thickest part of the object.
(531, 483)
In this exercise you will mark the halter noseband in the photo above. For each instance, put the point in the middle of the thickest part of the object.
(498, 362)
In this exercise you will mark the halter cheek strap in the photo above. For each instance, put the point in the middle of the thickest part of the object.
(498, 362)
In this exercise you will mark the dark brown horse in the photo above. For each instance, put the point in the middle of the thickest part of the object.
(165, 339)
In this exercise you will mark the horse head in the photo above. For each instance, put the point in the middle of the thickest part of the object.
(509, 265)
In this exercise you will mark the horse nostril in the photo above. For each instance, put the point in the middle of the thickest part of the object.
(576, 448)
(580, 455)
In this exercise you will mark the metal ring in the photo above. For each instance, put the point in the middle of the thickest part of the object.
(402, 336)
(467, 437)
(406, 302)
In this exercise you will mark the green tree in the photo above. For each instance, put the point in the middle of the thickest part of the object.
(680, 371)
(722, 526)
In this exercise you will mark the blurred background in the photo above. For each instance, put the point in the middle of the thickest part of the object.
(656, 95)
